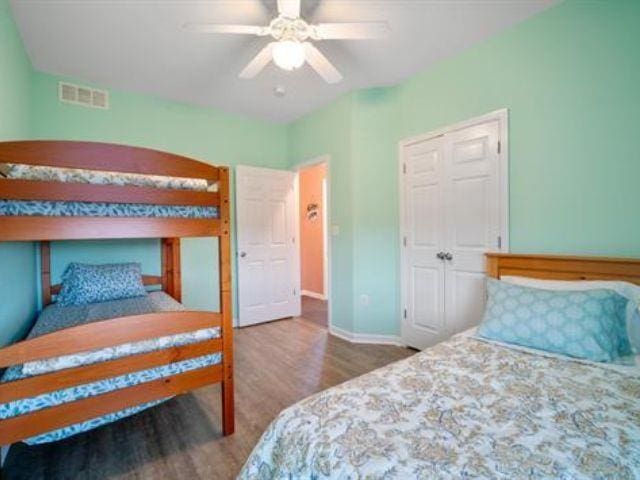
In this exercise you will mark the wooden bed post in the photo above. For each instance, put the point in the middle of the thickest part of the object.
(171, 272)
(492, 267)
(224, 267)
(45, 272)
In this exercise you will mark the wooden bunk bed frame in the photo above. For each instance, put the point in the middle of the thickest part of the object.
(107, 333)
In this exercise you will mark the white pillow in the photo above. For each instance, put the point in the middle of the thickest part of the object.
(626, 289)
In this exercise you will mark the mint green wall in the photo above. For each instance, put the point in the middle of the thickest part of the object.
(327, 132)
(203, 133)
(569, 77)
(375, 202)
(17, 260)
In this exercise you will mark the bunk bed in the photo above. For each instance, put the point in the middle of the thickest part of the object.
(63, 190)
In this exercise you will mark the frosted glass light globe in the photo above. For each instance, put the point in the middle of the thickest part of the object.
(288, 54)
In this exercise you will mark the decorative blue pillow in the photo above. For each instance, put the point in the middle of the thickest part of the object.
(83, 284)
(587, 324)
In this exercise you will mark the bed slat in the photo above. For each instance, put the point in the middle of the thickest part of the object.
(71, 377)
(88, 228)
(106, 333)
(24, 426)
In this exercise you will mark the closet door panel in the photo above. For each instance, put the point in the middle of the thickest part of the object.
(473, 220)
(423, 277)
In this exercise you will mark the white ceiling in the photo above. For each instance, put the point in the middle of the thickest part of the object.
(140, 46)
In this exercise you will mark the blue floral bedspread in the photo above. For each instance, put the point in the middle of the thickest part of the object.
(55, 318)
(462, 409)
(101, 209)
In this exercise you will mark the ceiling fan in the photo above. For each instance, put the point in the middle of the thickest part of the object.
(292, 35)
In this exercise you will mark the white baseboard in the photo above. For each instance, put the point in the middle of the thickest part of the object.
(4, 451)
(366, 337)
(308, 293)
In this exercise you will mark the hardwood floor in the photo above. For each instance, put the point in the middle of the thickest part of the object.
(315, 310)
(277, 364)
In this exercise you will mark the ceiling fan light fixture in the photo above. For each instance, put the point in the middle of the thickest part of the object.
(288, 54)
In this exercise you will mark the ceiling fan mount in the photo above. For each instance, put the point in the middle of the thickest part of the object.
(283, 28)
(292, 36)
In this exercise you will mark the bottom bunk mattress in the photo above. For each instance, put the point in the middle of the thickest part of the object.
(55, 318)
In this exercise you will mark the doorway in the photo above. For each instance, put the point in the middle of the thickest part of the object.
(314, 241)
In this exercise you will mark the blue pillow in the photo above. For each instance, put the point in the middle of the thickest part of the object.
(588, 324)
(83, 284)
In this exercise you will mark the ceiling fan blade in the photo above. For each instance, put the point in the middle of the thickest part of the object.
(320, 64)
(222, 28)
(350, 31)
(260, 61)
(289, 8)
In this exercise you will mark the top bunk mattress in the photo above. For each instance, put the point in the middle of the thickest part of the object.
(101, 209)
(55, 317)
(97, 177)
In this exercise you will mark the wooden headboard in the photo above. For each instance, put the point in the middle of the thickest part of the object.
(559, 267)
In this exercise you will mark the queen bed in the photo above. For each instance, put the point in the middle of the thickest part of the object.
(471, 407)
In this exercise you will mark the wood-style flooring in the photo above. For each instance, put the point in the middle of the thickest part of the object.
(315, 310)
(277, 364)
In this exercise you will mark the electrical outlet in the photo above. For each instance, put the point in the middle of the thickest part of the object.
(335, 230)
(364, 300)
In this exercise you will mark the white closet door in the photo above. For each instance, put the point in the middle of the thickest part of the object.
(454, 210)
(473, 220)
(268, 272)
(423, 238)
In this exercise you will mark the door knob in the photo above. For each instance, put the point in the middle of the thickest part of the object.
(440, 255)
(243, 254)
(448, 256)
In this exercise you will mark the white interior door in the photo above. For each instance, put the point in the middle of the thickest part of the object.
(424, 238)
(473, 220)
(268, 269)
(454, 209)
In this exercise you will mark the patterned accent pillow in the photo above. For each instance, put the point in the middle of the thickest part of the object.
(83, 284)
(628, 290)
(583, 324)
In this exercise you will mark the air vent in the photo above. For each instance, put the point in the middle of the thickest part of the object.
(85, 96)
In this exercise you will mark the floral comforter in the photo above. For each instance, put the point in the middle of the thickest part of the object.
(463, 409)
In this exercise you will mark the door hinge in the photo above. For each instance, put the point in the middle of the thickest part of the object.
(404, 313)
(293, 239)
(499, 241)
(404, 241)
(499, 146)
(295, 291)
(404, 168)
